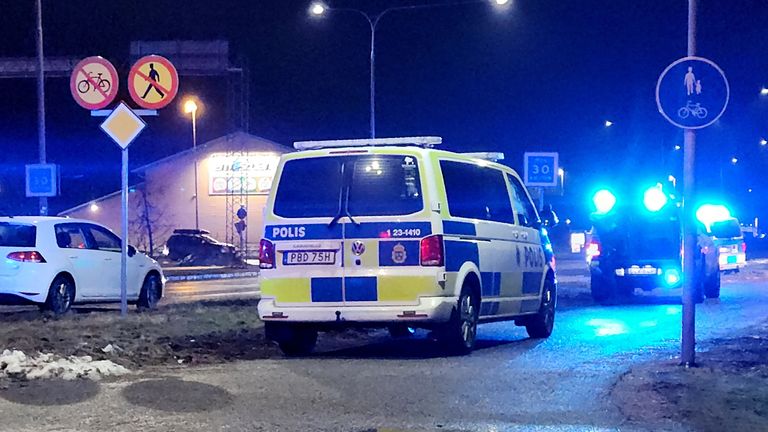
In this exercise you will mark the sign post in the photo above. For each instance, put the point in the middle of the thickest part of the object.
(152, 83)
(541, 170)
(692, 93)
(123, 126)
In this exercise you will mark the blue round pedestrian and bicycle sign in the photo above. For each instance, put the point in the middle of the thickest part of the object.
(692, 93)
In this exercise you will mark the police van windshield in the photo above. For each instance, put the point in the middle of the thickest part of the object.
(369, 185)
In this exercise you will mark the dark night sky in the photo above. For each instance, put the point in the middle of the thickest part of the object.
(541, 75)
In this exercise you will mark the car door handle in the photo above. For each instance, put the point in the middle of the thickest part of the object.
(107, 259)
(73, 257)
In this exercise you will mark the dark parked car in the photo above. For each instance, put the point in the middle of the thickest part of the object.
(635, 247)
(197, 247)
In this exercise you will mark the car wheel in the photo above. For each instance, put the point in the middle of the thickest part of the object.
(602, 287)
(150, 293)
(712, 286)
(61, 295)
(294, 340)
(459, 334)
(540, 326)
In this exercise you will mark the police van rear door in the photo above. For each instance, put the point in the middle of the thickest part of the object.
(386, 220)
(306, 227)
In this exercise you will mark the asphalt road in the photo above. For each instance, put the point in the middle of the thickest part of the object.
(211, 290)
(509, 383)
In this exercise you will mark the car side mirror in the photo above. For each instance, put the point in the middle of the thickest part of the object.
(548, 217)
(131, 251)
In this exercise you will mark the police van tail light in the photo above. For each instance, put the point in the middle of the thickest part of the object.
(743, 247)
(432, 251)
(266, 254)
(27, 257)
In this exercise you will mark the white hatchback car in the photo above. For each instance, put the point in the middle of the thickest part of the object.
(56, 262)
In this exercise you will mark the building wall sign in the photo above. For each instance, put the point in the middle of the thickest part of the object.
(248, 174)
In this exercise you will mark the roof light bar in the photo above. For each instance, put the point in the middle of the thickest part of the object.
(489, 156)
(426, 141)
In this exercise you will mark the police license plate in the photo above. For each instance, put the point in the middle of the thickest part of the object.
(309, 257)
(641, 271)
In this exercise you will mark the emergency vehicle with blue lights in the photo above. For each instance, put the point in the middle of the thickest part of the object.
(636, 243)
(395, 233)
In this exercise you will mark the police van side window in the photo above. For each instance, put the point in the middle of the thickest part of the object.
(526, 213)
(476, 192)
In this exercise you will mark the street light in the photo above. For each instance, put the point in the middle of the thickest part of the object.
(608, 123)
(734, 160)
(764, 91)
(561, 174)
(190, 107)
(319, 9)
(763, 142)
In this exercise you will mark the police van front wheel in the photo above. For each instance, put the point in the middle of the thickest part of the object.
(540, 326)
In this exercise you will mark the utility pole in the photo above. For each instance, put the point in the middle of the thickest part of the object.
(43, 210)
(688, 349)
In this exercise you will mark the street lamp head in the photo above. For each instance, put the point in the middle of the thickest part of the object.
(734, 160)
(318, 9)
(560, 172)
(764, 91)
(608, 123)
(190, 106)
(501, 2)
(763, 142)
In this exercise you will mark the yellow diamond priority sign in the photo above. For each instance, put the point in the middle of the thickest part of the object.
(123, 125)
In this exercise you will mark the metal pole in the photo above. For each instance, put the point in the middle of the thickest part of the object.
(373, 78)
(124, 252)
(688, 349)
(194, 146)
(43, 208)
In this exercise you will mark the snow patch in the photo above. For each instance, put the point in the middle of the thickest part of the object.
(16, 364)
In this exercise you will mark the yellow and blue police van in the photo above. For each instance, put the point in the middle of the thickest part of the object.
(394, 233)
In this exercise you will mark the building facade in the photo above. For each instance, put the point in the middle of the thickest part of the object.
(233, 172)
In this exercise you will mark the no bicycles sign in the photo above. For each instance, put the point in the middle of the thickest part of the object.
(94, 83)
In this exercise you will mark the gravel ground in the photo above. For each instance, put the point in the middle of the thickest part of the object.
(193, 333)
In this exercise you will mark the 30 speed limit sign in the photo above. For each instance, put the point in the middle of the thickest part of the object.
(541, 169)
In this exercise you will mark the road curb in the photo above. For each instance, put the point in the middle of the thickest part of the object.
(212, 276)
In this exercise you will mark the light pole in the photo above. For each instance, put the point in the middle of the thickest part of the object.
(190, 107)
(319, 9)
(43, 210)
(561, 174)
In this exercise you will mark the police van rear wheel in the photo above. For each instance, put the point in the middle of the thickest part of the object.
(293, 339)
(540, 326)
(458, 336)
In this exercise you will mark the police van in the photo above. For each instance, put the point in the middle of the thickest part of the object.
(395, 233)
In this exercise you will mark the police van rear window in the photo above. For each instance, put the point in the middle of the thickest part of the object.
(366, 185)
(17, 235)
